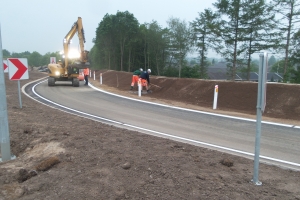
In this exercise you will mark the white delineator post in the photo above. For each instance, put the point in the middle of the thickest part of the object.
(140, 87)
(94, 76)
(101, 78)
(215, 97)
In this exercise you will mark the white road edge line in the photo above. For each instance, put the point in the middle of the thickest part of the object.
(156, 132)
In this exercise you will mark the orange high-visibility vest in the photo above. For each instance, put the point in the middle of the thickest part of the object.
(86, 71)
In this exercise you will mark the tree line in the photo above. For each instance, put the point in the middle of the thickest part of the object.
(236, 30)
(34, 59)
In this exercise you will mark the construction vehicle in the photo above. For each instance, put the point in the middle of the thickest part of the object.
(67, 69)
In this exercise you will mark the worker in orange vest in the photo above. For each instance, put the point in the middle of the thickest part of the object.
(86, 73)
(135, 77)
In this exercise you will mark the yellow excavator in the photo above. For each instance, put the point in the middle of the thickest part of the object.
(68, 69)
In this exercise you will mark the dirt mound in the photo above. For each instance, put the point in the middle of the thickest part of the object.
(283, 100)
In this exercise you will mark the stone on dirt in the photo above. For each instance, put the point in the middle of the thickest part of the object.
(47, 164)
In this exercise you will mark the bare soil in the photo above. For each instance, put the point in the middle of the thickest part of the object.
(83, 159)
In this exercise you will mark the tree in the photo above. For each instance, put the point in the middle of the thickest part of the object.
(271, 60)
(278, 67)
(126, 27)
(295, 78)
(213, 62)
(205, 36)
(289, 11)
(180, 40)
(156, 45)
(120, 39)
(193, 62)
(34, 59)
(295, 57)
(104, 49)
(6, 54)
(115, 36)
(231, 31)
(143, 37)
(190, 72)
(24, 54)
(259, 24)
(94, 57)
(245, 70)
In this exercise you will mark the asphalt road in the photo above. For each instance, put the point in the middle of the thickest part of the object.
(278, 145)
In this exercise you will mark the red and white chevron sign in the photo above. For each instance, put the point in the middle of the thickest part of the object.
(17, 68)
(5, 66)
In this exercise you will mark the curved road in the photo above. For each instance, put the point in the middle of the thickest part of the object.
(279, 145)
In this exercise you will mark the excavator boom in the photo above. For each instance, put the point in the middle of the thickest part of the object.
(76, 28)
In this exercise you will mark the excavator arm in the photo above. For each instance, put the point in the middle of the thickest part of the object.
(76, 28)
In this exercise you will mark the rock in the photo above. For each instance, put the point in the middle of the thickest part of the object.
(227, 162)
(23, 175)
(47, 164)
(127, 165)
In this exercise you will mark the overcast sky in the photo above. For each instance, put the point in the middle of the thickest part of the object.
(40, 25)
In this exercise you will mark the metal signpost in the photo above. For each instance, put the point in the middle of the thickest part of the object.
(261, 103)
(4, 130)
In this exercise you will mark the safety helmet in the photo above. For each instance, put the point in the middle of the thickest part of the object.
(141, 69)
(149, 70)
